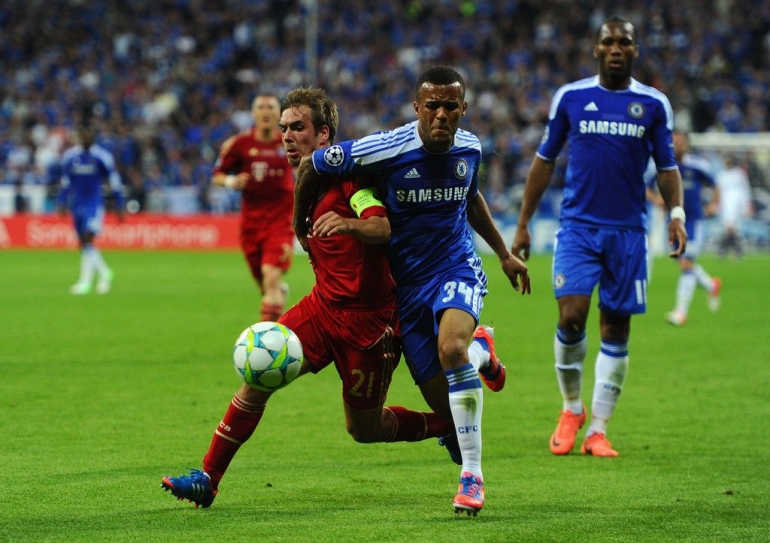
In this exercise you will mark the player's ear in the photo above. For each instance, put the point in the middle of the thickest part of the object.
(416, 108)
(323, 135)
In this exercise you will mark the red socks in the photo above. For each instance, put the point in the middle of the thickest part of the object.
(241, 420)
(416, 425)
(237, 426)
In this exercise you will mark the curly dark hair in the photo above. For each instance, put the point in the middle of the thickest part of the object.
(440, 75)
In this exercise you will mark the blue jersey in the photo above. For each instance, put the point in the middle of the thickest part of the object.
(696, 175)
(425, 193)
(83, 173)
(611, 135)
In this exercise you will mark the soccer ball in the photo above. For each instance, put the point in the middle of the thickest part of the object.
(267, 355)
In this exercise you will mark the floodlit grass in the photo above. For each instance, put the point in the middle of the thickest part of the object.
(101, 396)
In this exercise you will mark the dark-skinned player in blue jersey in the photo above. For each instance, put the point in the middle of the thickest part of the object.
(86, 167)
(613, 125)
(427, 176)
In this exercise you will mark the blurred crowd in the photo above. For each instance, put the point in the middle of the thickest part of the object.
(166, 81)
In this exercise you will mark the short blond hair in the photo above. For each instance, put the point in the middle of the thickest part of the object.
(323, 110)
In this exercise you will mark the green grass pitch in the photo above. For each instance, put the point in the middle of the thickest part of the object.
(101, 396)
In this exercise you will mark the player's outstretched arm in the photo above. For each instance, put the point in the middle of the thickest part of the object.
(481, 221)
(538, 178)
(305, 189)
(236, 182)
(670, 186)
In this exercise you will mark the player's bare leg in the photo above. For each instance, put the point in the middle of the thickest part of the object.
(273, 293)
(393, 423)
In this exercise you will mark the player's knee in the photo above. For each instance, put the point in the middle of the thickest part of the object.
(572, 319)
(363, 434)
(451, 351)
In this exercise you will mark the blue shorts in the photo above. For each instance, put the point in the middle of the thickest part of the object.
(614, 259)
(88, 219)
(420, 308)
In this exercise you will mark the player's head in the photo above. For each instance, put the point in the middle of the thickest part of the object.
(439, 104)
(309, 121)
(681, 145)
(86, 136)
(616, 48)
(266, 109)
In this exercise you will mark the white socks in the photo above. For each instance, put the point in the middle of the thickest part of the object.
(91, 261)
(685, 288)
(704, 279)
(570, 351)
(477, 356)
(87, 265)
(610, 374)
(99, 263)
(688, 282)
(466, 401)
(611, 368)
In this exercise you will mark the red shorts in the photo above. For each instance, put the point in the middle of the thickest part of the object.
(264, 246)
(350, 339)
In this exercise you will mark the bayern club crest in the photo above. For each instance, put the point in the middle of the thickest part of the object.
(461, 169)
(334, 155)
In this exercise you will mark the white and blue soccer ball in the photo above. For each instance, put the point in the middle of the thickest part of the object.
(267, 355)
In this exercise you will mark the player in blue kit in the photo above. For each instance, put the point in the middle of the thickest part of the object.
(613, 125)
(85, 168)
(697, 175)
(427, 175)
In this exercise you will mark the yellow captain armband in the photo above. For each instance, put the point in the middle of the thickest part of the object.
(363, 200)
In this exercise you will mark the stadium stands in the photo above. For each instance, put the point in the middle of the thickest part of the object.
(167, 81)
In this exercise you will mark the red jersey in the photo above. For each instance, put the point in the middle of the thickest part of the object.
(268, 197)
(349, 272)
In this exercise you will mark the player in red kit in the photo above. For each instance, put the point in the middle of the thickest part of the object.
(349, 317)
(254, 163)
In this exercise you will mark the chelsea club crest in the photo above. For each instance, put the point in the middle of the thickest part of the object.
(636, 110)
(461, 169)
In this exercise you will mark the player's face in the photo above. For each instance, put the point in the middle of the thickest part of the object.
(439, 110)
(266, 110)
(299, 136)
(616, 50)
(86, 137)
